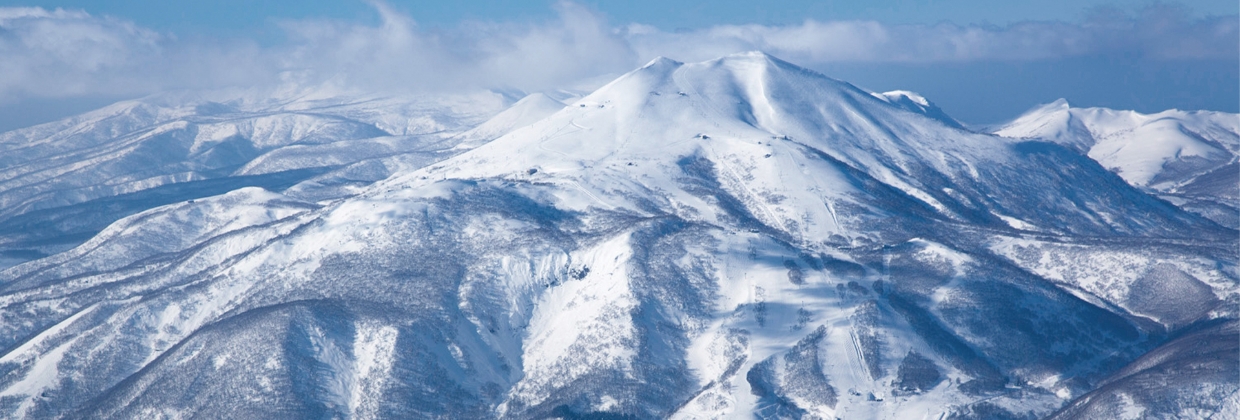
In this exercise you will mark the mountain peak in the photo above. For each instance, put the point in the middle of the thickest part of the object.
(755, 59)
(754, 113)
(912, 101)
(1166, 151)
(1060, 104)
(732, 238)
(662, 62)
(904, 95)
(753, 55)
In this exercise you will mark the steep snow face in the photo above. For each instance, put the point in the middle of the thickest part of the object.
(727, 239)
(1188, 156)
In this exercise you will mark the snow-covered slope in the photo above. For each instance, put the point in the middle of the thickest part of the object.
(914, 102)
(727, 239)
(526, 111)
(62, 182)
(1188, 157)
(1200, 365)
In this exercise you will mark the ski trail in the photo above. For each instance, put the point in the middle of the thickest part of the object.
(560, 133)
(587, 192)
(834, 219)
(30, 347)
(858, 358)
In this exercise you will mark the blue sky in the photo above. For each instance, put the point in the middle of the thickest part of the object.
(224, 16)
(982, 60)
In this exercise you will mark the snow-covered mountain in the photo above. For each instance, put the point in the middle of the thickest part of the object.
(913, 101)
(62, 182)
(1191, 158)
(728, 239)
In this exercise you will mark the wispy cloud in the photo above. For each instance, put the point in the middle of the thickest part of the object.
(1158, 32)
(64, 53)
(397, 53)
(61, 52)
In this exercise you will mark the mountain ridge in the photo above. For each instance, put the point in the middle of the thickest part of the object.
(1186, 157)
(738, 237)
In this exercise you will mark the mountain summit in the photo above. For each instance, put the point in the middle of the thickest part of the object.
(734, 238)
(771, 129)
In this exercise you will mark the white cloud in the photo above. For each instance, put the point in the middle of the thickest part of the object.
(1158, 32)
(397, 54)
(65, 53)
(60, 53)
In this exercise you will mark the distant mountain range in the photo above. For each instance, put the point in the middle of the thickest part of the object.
(1187, 158)
(735, 238)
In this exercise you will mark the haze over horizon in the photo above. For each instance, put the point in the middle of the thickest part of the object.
(982, 63)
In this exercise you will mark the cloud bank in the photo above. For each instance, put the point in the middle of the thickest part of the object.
(66, 53)
(1159, 32)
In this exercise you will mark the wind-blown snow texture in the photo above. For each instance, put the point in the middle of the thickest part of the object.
(727, 239)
